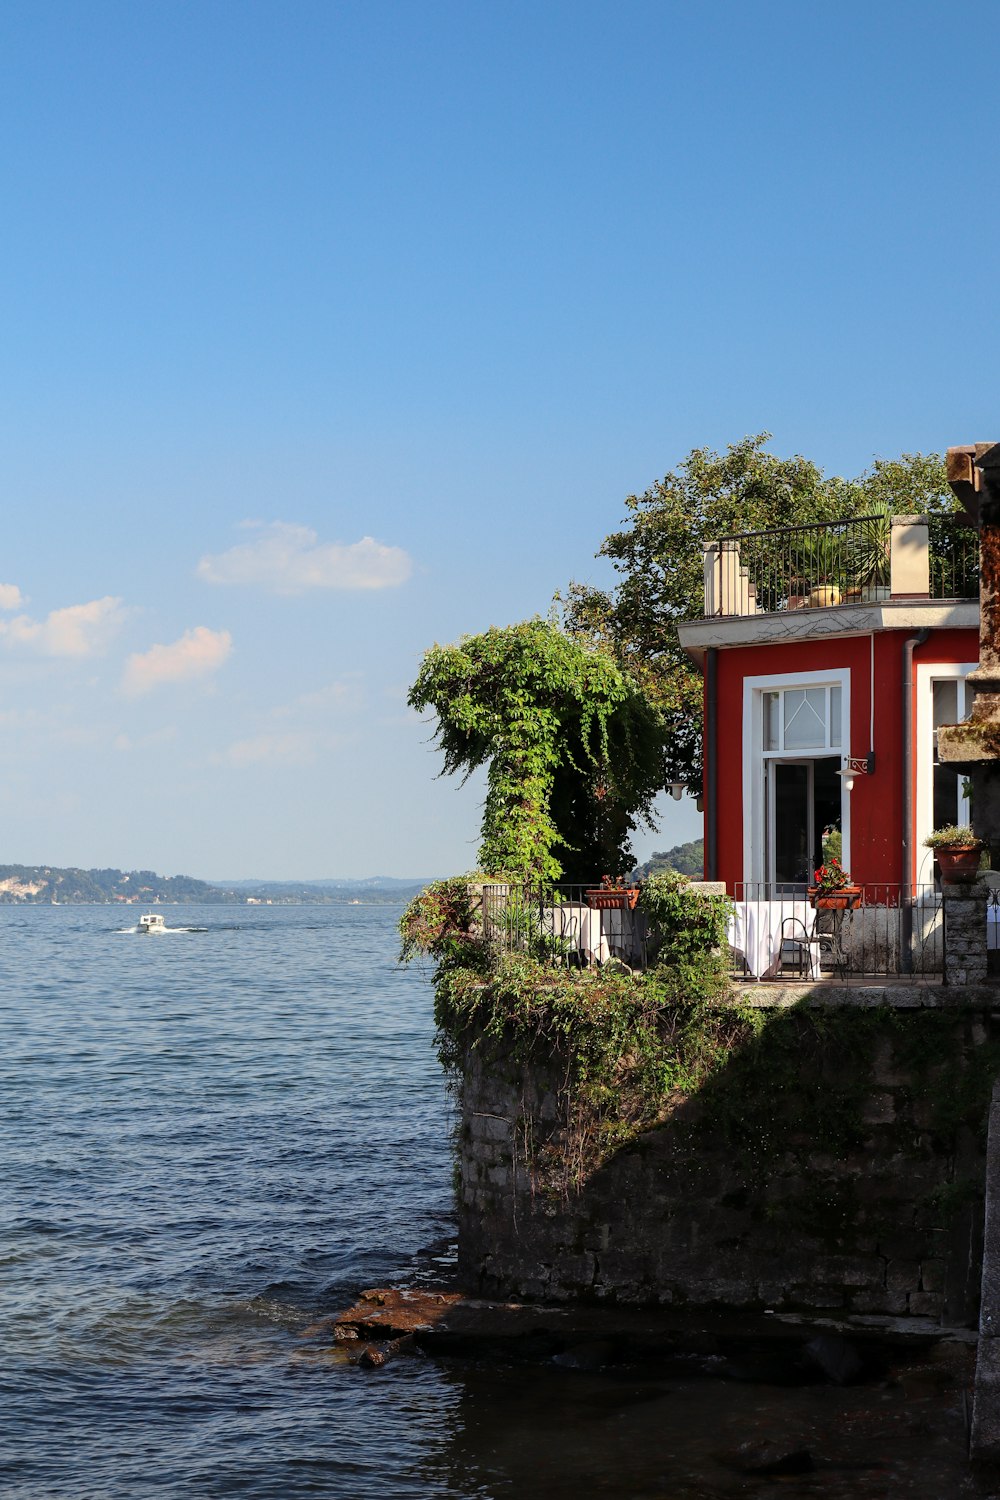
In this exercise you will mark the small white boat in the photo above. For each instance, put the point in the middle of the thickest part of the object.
(151, 922)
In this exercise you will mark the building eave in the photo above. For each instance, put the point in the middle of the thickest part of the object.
(696, 636)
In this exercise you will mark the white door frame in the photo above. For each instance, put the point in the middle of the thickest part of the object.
(754, 842)
(929, 672)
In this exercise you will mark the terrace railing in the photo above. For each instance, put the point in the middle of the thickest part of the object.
(858, 561)
(896, 932)
(562, 923)
(954, 558)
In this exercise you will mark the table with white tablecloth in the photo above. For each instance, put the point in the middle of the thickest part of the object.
(758, 928)
(596, 935)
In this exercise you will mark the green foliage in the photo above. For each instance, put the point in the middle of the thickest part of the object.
(574, 750)
(659, 559)
(442, 923)
(687, 929)
(686, 859)
(618, 1046)
(960, 836)
(833, 845)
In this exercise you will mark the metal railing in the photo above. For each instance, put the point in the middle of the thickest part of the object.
(576, 925)
(894, 932)
(799, 567)
(839, 562)
(954, 559)
(774, 933)
(993, 924)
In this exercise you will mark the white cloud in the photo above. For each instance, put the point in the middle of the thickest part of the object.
(289, 559)
(198, 653)
(294, 748)
(11, 596)
(77, 630)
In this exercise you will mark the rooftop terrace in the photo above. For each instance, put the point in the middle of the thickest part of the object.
(864, 560)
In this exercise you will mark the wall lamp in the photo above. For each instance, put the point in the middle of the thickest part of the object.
(855, 766)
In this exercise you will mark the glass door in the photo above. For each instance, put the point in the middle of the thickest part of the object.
(802, 798)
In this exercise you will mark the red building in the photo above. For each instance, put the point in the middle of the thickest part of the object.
(830, 654)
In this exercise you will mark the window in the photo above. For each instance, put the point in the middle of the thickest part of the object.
(806, 718)
(942, 697)
(951, 700)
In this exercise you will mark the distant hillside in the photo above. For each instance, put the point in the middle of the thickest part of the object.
(686, 859)
(45, 884)
(377, 890)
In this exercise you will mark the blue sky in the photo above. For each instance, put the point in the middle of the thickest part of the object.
(456, 278)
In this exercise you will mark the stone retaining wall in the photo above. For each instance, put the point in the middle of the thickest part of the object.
(888, 1223)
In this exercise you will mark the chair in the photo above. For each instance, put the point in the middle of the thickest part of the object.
(797, 943)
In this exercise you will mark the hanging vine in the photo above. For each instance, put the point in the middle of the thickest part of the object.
(574, 750)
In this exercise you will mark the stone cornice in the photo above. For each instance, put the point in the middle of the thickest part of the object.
(823, 624)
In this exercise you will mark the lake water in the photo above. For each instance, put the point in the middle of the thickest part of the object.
(210, 1138)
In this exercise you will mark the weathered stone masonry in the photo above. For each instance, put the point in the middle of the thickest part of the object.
(885, 1221)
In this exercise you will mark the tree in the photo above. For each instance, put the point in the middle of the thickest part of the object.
(574, 750)
(659, 558)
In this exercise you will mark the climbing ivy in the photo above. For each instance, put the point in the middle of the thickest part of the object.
(574, 751)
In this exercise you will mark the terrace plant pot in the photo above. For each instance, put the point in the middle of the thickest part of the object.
(823, 595)
(605, 900)
(958, 863)
(846, 899)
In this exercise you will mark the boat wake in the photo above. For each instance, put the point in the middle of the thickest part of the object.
(120, 931)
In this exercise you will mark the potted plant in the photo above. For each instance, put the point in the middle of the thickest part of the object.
(868, 553)
(834, 890)
(612, 895)
(822, 553)
(957, 851)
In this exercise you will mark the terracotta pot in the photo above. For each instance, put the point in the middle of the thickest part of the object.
(604, 900)
(843, 900)
(958, 863)
(823, 596)
(797, 601)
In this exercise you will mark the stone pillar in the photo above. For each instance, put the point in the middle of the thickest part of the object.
(909, 558)
(964, 934)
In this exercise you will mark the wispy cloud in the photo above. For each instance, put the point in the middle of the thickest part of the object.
(197, 654)
(126, 743)
(288, 559)
(11, 596)
(335, 700)
(297, 747)
(78, 630)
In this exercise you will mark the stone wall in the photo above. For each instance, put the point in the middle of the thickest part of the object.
(849, 1184)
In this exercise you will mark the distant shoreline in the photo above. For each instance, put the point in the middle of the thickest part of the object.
(51, 885)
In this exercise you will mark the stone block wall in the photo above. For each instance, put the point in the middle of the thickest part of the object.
(875, 1211)
(965, 956)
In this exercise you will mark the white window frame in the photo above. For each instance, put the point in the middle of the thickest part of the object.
(754, 757)
(927, 674)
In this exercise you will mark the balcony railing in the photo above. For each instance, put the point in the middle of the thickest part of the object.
(561, 924)
(896, 932)
(773, 935)
(863, 560)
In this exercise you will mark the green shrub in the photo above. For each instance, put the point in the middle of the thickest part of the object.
(686, 927)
